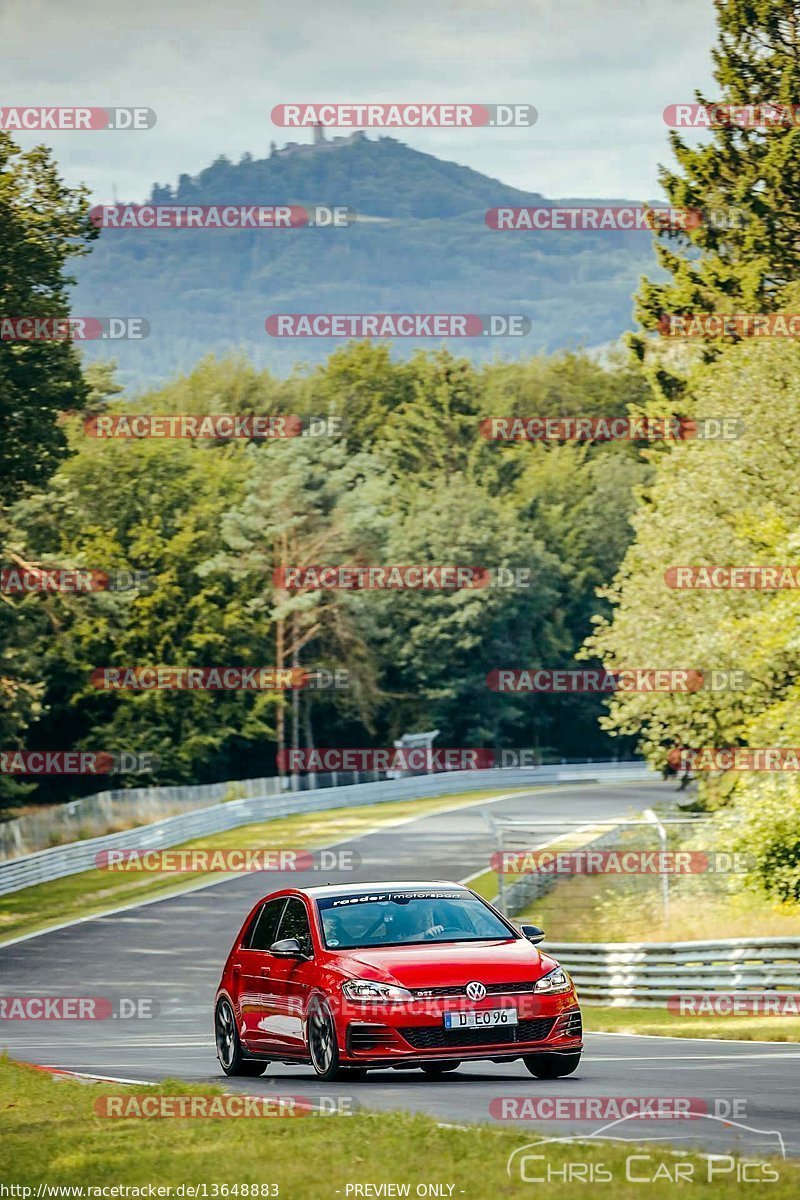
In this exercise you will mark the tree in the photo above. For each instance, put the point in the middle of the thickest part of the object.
(741, 261)
(43, 224)
(435, 430)
(411, 480)
(727, 502)
(436, 647)
(302, 508)
(362, 384)
(153, 506)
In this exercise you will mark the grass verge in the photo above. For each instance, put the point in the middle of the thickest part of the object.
(592, 908)
(658, 1022)
(486, 884)
(51, 1135)
(94, 892)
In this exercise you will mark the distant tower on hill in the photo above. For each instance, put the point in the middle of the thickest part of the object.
(319, 135)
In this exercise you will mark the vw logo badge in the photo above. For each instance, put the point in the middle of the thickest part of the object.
(475, 990)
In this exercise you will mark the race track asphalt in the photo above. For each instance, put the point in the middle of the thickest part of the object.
(173, 949)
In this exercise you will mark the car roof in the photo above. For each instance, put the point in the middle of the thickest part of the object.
(390, 885)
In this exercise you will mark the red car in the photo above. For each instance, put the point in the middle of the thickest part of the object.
(401, 975)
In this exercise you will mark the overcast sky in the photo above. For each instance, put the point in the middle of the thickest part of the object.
(600, 72)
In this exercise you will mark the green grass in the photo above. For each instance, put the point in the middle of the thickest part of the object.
(658, 1022)
(51, 1135)
(591, 908)
(485, 884)
(93, 892)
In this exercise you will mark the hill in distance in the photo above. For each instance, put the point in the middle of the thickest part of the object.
(419, 244)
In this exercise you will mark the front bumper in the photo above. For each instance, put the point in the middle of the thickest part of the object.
(414, 1034)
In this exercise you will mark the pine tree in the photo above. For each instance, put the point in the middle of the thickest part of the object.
(745, 181)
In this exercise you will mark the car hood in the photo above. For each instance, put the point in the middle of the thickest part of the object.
(449, 964)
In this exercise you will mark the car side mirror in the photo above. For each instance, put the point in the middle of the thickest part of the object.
(533, 933)
(287, 948)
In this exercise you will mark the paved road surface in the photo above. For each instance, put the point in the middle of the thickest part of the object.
(173, 950)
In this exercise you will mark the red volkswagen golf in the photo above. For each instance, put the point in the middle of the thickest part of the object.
(401, 975)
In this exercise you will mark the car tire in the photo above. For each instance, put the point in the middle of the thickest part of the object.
(440, 1068)
(229, 1047)
(323, 1046)
(551, 1066)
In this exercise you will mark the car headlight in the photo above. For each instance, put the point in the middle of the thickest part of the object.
(366, 990)
(554, 981)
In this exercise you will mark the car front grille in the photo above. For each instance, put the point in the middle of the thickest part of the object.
(492, 989)
(436, 1037)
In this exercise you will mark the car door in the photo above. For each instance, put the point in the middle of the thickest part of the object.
(292, 978)
(258, 1004)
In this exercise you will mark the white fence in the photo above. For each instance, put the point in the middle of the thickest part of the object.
(110, 811)
(647, 974)
(123, 808)
(60, 861)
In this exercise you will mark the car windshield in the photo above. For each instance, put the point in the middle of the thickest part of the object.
(399, 918)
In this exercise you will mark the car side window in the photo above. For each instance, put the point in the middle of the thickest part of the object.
(294, 924)
(265, 930)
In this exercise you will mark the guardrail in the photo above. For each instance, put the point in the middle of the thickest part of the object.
(120, 808)
(646, 974)
(59, 861)
(104, 812)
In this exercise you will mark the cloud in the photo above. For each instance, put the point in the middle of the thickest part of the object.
(600, 76)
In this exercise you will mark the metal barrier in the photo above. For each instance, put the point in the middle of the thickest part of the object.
(123, 808)
(59, 861)
(110, 811)
(647, 974)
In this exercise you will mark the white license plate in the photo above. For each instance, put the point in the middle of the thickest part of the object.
(485, 1016)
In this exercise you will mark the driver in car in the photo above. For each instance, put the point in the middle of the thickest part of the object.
(410, 924)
